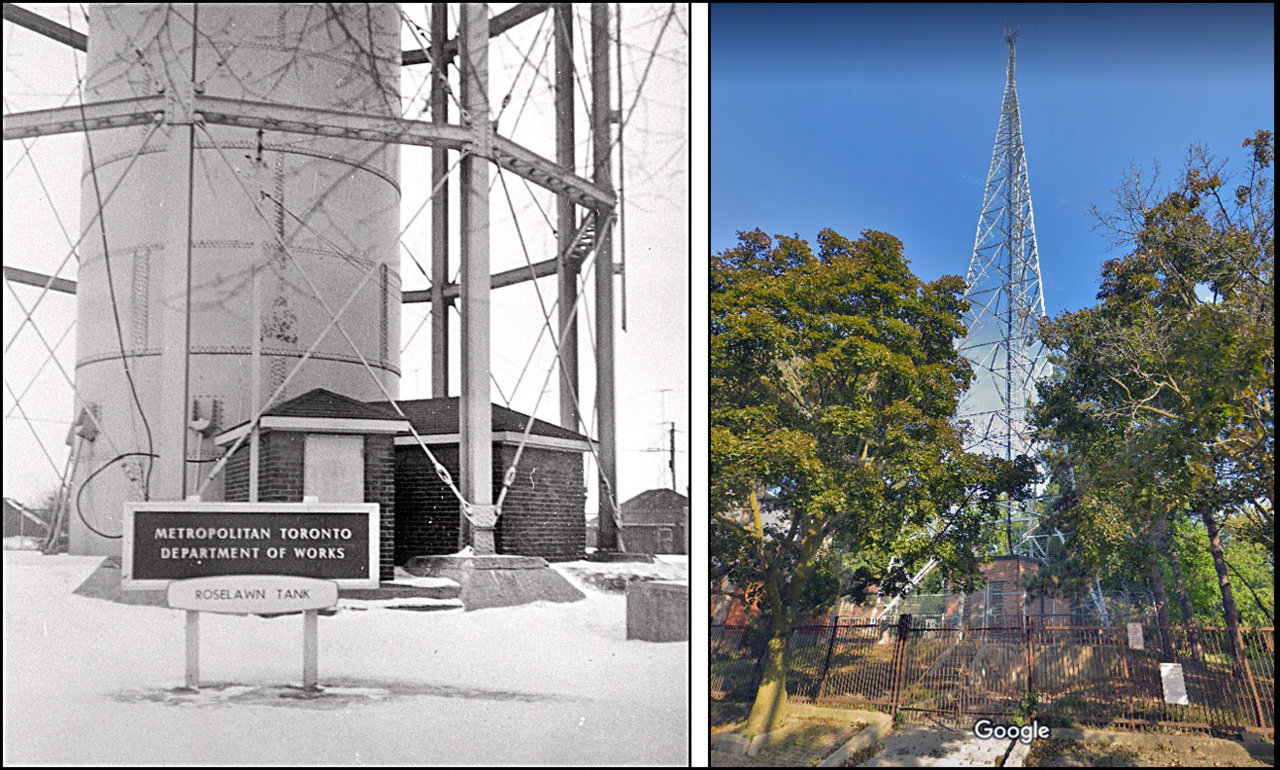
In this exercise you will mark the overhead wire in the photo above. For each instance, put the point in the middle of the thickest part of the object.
(85, 232)
(34, 432)
(49, 349)
(106, 259)
(43, 364)
(441, 471)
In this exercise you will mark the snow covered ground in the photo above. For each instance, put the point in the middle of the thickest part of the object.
(90, 681)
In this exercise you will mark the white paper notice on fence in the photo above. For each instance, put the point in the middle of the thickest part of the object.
(1135, 636)
(1175, 688)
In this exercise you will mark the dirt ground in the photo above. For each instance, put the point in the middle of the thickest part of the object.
(1142, 751)
(809, 739)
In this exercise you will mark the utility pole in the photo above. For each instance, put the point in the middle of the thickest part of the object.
(673, 457)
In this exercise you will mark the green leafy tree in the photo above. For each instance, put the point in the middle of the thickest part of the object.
(834, 380)
(1163, 402)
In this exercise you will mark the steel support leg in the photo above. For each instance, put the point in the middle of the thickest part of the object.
(475, 410)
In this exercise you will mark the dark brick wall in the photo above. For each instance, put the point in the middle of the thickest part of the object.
(544, 511)
(543, 514)
(279, 470)
(380, 488)
(643, 538)
(427, 523)
(280, 474)
(281, 481)
(236, 473)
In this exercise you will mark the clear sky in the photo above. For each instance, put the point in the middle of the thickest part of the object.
(884, 117)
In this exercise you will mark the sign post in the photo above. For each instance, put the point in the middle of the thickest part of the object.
(193, 650)
(310, 653)
(253, 595)
(251, 559)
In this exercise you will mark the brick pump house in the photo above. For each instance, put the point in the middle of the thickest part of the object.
(337, 449)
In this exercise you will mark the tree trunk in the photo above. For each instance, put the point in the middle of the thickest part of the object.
(1232, 617)
(771, 696)
(1184, 596)
(1164, 622)
(1230, 614)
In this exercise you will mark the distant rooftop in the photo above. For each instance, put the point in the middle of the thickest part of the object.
(655, 506)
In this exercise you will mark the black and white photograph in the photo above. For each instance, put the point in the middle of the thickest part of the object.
(346, 384)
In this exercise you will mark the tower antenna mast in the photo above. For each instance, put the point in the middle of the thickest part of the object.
(1006, 302)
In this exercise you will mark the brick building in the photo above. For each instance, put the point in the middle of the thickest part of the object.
(1001, 601)
(656, 521)
(23, 522)
(338, 449)
(543, 513)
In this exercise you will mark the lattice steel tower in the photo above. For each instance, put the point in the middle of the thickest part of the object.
(1006, 302)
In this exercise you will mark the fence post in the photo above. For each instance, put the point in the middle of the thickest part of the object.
(1031, 654)
(899, 664)
(826, 664)
(1123, 647)
(1259, 715)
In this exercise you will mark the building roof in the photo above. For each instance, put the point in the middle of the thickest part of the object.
(326, 403)
(433, 416)
(656, 506)
(428, 416)
(13, 510)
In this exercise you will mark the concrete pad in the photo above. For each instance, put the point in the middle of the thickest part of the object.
(498, 581)
(730, 743)
(881, 725)
(658, 611)
(643, 558)
(937, 746)
(1017, 755)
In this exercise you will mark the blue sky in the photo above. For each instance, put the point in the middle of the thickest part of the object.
(883, 117)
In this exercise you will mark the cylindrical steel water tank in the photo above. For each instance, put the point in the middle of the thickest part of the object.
(334, 202)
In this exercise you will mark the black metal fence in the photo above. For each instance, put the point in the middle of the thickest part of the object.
(1061, 674)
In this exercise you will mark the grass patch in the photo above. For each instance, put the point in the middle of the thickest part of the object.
(808, 740)
(727, 715)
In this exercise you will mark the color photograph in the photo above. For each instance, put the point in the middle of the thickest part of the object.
(990, 412)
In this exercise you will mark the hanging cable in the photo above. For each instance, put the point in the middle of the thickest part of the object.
(155, 125)
(441, 471)
(111, 289)
(85, 483)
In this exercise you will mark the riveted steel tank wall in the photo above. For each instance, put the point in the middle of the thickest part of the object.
(332, 202)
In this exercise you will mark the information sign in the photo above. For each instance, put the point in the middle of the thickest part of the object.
(166, 541)
(1135, 636)
(1175, 687)
(246, 594)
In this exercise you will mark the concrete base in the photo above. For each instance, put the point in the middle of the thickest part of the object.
(615, 556)
(497, 581)
(658, 611)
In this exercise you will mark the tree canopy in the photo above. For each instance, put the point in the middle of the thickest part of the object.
(834, 382)
(1161, 408)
